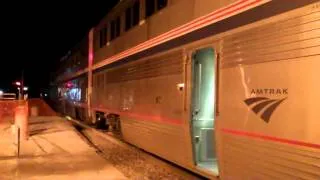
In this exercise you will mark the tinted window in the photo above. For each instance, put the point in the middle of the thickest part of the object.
(113, 28)
(153, 6)
(150, 7)
(103, 36)
(132, 15)
(161, 4)
(128, 19)
(100, 40)
(118, 27)
(136, 13)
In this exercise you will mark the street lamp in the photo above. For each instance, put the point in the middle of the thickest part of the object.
(20, 88)
(18, 83)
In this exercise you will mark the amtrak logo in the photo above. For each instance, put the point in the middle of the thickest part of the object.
(264, 105)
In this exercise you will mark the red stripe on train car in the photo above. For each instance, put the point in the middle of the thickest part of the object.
(143, 116)
(270, 138)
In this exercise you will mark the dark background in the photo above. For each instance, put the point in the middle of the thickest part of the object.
(35, 35)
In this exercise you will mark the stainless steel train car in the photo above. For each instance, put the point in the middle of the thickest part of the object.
(227, 89)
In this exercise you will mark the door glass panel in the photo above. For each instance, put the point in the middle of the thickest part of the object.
(203, 107)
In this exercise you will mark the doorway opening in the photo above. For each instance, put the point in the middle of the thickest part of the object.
(203, 109)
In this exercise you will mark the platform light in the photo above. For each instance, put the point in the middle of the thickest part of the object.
(18, 83)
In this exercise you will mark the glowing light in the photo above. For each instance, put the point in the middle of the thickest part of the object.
(25, 88)
(91, 57)
(1, 92)
(18, 83)
(45, 94)
(141, 22)
(180, 85)
(68, 117)
(18, 88)
(74, 94)
(69, 84)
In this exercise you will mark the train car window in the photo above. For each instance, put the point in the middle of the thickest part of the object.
(100, 38)
(115, 28)
(118, 27)
(103, 36)
(132, 16)
(136, 13)
(128, 19)
(150, 7)
(113, 32)
(161, 4)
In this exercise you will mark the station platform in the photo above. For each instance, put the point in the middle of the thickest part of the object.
(54, 150)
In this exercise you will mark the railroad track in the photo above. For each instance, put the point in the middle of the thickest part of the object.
(134, 162)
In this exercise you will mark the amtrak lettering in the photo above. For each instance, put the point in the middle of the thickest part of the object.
(263, 104)
(269, 91)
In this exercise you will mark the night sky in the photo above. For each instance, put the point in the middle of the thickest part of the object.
(36, 35)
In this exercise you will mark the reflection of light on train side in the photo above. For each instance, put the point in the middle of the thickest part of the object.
(91, 57)
(244, 81)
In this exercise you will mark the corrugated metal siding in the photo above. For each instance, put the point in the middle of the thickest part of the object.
(295, 37)
(98, 88)
(163, 65)
(161, 139)
(269, 159)
(132, 89)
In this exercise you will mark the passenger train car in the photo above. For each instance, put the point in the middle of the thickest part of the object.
(228, 89)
